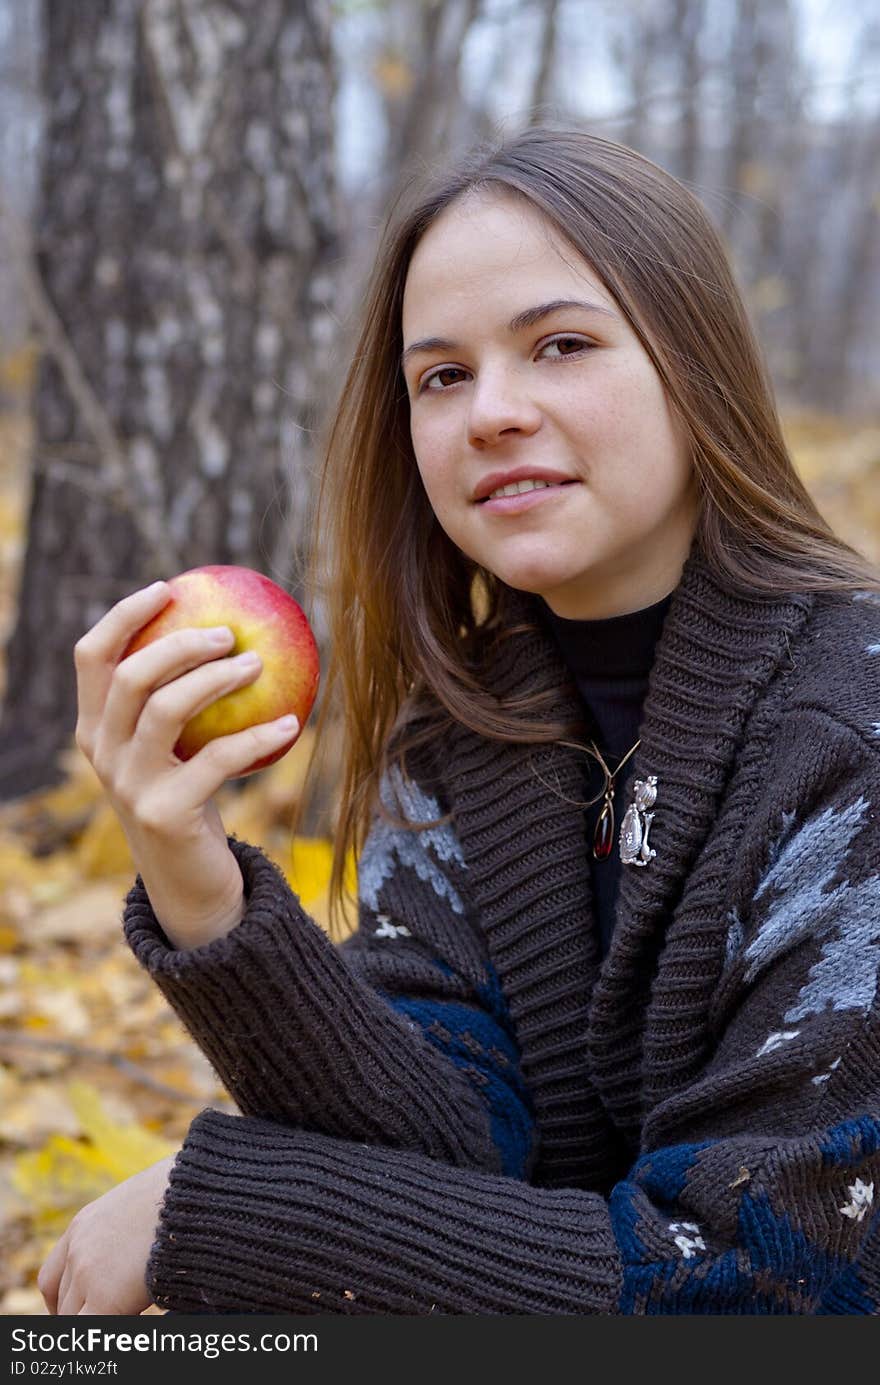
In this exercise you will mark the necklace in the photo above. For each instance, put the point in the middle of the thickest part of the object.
(603, 836)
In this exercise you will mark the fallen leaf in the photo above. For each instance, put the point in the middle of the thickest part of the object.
(55, 1181)
(91, 913)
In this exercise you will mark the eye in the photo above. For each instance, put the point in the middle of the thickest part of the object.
(562, 339)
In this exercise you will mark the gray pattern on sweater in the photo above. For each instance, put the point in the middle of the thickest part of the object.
(387, 845)
(846, 975)
(801, 871)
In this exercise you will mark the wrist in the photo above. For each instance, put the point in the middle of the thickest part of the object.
(185, 933)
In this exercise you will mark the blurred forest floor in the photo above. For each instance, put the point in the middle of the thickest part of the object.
(98, 1078)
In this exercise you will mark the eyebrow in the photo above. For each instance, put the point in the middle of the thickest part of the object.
(527, 318)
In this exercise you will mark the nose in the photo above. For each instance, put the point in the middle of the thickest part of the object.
(500, 404)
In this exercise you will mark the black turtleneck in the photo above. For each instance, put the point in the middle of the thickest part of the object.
(610, 661)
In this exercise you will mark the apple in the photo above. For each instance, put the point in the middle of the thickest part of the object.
(262, 617)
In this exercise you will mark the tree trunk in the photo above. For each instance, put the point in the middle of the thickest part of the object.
(183, 284)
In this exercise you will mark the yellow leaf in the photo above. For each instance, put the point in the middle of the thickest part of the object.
(103, 847)
(91, 914)
(349, 873)
(65, 1174)
(310, 861)
(62, 1176)
(127, 1148)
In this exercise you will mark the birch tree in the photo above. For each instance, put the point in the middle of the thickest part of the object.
(182, 281)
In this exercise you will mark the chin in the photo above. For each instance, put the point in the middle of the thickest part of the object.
(540, 578)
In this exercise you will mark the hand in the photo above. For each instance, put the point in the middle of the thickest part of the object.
(99, 1264)
(130, 716)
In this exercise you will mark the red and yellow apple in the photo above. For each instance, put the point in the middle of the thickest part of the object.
(263, 618)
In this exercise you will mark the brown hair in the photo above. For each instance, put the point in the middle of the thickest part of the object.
(404, 604)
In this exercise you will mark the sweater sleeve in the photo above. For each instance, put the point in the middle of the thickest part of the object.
(753, 1192)
(400, 1037)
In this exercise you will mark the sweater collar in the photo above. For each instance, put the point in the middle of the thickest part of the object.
(615, 647)
(524, 839)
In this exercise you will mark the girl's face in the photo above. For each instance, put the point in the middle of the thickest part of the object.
(572, 391)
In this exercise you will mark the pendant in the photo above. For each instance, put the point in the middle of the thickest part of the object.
(634, 848)
(603, 836)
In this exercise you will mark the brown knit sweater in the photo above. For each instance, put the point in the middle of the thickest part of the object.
(463, 1110)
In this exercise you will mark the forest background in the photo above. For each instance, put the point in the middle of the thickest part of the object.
(190, 196)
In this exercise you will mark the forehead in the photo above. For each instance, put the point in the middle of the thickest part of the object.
(490, 243)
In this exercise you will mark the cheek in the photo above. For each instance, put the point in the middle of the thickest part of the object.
(435, 461)
(628, 398)
(635, 423)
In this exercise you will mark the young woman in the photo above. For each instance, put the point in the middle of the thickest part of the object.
(607, 1037)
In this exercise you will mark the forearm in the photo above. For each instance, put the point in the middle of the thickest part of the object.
(295, 1037)
(189, 916)
(262, 1219)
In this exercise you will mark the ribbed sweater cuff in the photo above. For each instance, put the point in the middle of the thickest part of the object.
(296, 1037)
(258, 1217)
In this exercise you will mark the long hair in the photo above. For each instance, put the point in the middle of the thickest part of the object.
(410, 616)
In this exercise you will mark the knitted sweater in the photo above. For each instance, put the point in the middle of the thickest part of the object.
(610, 661)
(463, 1109)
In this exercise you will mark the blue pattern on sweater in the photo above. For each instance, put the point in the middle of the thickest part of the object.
(756, 1277)
(656, 1284)
(663, 1172)
(480, 1048)
(851, 1141)
(774, 1268)
(848, 1294)
(779, 1250)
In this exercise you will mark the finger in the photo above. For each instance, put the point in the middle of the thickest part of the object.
(50, 1273)
(192, 661)
(99, 650)
(225, 758)
(75, 1303)
(65, 1289)
(173, 705)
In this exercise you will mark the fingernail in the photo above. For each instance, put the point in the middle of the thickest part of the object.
(155, 589)
(289, 724)
(220, 634)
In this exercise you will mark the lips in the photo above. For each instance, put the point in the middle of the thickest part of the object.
(496, 479)
(524, 502)
(536, 490)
